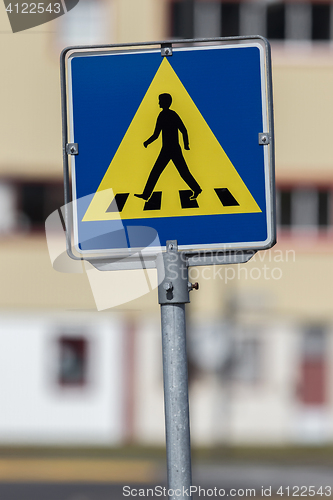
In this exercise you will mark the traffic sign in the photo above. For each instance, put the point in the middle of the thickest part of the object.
(179, 143)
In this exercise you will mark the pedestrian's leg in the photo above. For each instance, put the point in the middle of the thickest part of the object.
(180, 164)
(160, 164)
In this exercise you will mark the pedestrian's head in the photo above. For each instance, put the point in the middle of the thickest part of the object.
(165, 101)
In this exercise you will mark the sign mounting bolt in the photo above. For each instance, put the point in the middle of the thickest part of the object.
(72, 148)
(166, 50)
(171, 247)
(264, 138)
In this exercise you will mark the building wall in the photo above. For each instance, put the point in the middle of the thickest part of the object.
(35, 407)
(303, 105)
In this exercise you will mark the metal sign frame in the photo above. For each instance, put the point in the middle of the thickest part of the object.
(138, 258)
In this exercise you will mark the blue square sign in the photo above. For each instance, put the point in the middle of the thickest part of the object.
(171, 143)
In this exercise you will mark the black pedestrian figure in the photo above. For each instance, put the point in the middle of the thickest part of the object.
(169, 123)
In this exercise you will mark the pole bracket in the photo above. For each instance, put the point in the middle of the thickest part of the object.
(173, 289)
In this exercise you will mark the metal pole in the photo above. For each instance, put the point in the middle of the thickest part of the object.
(173, 293)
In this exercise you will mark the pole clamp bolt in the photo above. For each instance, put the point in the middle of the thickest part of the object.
(193, 286)
(168, 286)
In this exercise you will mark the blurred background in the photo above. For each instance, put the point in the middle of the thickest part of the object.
(77, 384)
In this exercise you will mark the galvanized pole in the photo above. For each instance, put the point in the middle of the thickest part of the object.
(173, 294)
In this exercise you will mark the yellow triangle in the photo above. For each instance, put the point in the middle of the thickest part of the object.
(131, 165)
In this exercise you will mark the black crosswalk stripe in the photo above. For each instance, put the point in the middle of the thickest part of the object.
(154, 202)
(185, 199)
(226, 197)
(118, 202)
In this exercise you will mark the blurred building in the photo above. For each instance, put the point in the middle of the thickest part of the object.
(260, 334)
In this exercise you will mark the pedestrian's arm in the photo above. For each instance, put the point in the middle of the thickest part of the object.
(183, 130)
(156, 133)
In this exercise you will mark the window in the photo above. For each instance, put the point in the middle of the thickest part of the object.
(183, 19)
(73, 357)
(320, 21)
(227, 349)
(312, 387)
(298, 21)
(246, 363)
(274, 19)
(284, 208)
(230, 19)
(8, 208)
(304, 208)
(207, 19)
(36, 201)
(324, 208)
(209, 347)
(26, 205)
(89, 23)
(252, 18)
